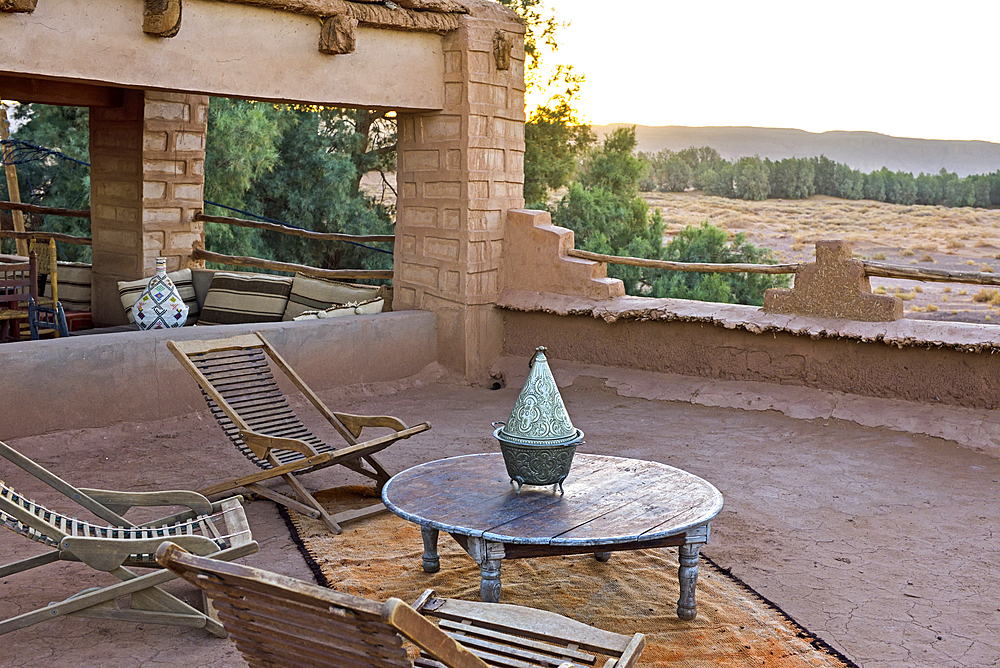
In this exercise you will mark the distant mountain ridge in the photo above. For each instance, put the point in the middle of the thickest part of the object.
(867, 151)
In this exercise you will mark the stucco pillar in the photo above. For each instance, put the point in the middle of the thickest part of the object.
(460, 169)
(147, 180)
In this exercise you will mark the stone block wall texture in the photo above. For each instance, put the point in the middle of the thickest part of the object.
(147, 182)
(460, 170)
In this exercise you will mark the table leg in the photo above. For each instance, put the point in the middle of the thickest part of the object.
(489, 587)
(488, 555)
(687, 608)
(431, 560)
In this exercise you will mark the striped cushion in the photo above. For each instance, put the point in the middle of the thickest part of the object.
(73, 279)
(318, 294)
(129, 291)
(245, 298)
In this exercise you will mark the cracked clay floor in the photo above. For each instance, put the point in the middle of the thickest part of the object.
(883, 543)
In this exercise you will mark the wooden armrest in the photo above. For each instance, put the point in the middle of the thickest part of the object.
(107, 554)
(120, 502)
(355, 423)
(429, 637)
(261, 444)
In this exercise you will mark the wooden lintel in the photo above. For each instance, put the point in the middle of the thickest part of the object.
(338, 34)
(66, 93)
(161, 18)
(18, 6)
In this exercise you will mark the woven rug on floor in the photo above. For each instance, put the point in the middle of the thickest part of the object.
(380, 557)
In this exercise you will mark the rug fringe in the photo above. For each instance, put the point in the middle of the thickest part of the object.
(818, 643)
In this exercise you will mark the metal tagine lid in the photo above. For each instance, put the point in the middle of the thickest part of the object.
(539, 416)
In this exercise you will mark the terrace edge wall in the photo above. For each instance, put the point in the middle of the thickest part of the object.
(917, 373)
(100, 380)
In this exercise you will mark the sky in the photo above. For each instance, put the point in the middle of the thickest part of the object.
(909, 69)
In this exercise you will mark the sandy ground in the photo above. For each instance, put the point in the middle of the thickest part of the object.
(881, 542)
(930, 237)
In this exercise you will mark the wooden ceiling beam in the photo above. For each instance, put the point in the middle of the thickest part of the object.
(46, 91)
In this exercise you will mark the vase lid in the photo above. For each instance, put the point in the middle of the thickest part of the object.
(539, 416)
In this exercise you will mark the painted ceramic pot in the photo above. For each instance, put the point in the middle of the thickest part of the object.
(160, 305)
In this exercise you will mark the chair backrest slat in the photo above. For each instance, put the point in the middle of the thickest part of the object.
(278, 621)
(244, 380)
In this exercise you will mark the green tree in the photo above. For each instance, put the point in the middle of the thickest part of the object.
(555, 137)
(708, 243)
(607, 215)
(750, 178)
(51, 180)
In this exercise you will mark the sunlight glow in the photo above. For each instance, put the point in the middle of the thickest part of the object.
(899, 68)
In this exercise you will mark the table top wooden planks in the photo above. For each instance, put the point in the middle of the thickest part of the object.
(607, 500)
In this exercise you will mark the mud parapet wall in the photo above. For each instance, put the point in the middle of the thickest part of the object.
(105, 379)
(910, 360)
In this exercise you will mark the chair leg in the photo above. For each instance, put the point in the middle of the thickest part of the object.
(308, 498)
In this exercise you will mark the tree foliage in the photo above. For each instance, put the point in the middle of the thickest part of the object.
(708, 243)
(54, 181)
(555, 136)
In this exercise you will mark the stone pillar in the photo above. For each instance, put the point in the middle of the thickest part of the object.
(147, 181)
(460, 169)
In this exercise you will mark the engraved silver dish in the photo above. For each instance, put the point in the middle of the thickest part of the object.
(538, 440)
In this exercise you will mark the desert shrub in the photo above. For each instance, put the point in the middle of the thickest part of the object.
(708, 243)
(985, 295)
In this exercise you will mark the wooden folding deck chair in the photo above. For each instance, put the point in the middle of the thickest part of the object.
(240, 388)
(279, 621)
(115, 545)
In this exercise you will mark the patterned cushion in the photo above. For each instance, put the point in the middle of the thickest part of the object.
(73, 279)
(245, 298)
(129, 291)
(318, 294)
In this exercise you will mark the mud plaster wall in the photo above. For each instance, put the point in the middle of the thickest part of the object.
(105, 379)
(913, 373)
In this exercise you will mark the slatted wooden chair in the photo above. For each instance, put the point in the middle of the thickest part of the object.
(243, 394)
(18, 284)
(279, 621)
(116, 545)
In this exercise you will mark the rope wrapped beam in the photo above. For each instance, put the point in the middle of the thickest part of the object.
(437, 16)
(257, 263)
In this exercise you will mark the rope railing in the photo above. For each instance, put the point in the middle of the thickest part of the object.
(880, 269)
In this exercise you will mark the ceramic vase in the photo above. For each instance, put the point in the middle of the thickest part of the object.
(160, 305)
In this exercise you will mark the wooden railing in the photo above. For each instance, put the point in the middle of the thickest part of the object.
(879, 269)
(202, 254)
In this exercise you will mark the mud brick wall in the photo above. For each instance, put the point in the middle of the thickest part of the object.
(147, 180)
(460, 169)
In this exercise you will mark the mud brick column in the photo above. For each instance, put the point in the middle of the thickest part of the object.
(460, 170)
(147, 181)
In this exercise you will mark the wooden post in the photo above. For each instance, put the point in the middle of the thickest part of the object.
(13, 191)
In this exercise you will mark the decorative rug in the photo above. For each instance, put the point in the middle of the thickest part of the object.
(380, 557)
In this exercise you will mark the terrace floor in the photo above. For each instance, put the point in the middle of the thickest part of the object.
(883, 543)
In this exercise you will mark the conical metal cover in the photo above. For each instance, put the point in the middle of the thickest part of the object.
(539, 416)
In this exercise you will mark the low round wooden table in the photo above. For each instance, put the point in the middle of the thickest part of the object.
(610, 504)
